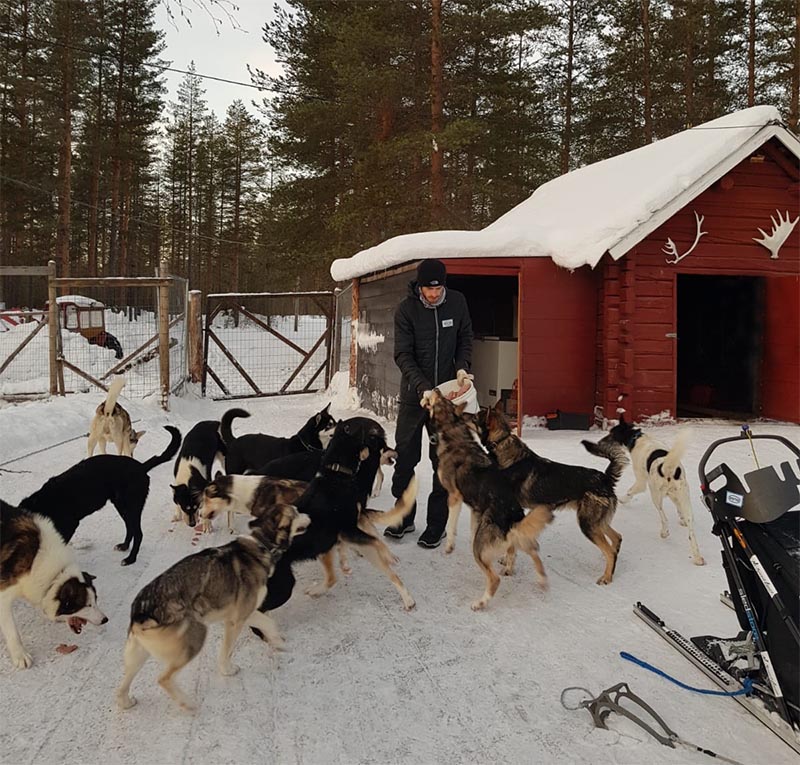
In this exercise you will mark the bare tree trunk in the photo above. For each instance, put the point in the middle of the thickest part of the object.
(688, 68)
(125, 216)
(751, 55)
(94, 183)
(65, 149)
(437, 116)
(794, 97)
(116, 175)
(648, 90)
(566, 138)
(237, 219)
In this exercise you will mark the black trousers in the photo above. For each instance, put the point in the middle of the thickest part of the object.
(411, 419)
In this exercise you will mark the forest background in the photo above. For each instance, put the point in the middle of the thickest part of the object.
(388, 117)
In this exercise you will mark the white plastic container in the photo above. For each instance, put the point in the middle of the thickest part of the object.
(470, 397)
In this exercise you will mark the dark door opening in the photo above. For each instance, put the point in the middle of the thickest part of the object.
(719, 345)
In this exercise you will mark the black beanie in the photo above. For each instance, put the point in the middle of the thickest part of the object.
(431, 273)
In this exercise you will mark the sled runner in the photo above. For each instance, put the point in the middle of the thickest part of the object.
(758, 523)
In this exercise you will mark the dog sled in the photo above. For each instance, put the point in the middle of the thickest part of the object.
(758, 524)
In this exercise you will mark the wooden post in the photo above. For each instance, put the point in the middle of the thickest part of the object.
(296, 302)
(195, 336)
(163, 337)
(52, 319)
(353, 334)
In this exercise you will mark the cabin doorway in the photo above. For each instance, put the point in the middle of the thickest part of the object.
(719, 345)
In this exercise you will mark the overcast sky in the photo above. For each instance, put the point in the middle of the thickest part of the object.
(219, 50)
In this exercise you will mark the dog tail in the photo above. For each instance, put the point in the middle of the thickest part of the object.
(672, 461)
(612, 451)
(225, 432)
(113, 393)
(168, 453)
(401, 509)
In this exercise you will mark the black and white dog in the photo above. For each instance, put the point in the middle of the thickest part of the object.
(253, 450)
(37, 565)
(192, 471)
(659, 469)
(66, 499)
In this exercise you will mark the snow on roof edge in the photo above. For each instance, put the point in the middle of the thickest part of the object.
(543, 226)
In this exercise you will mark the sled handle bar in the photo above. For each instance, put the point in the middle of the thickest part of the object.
(705, 480)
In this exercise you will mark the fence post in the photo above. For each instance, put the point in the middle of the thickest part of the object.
(163, 336)
(195, 337)
(52, 320)
(353, 334)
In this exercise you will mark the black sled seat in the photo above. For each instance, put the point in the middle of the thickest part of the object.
(758, 523)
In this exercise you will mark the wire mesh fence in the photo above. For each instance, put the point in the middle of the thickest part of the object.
(265, 344)
(114, 330)
(340, 359)
(103, 330)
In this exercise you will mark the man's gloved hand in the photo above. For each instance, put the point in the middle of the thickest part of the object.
(423, 402)
(462, 376)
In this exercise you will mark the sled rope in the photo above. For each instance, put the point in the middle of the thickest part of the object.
(746, 689)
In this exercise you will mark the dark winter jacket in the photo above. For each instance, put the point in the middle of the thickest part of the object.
(430, 344)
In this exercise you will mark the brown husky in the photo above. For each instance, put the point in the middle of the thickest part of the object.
(498, 521)
(539, 482)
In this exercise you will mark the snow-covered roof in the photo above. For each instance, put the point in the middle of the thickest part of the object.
(608, 206)
(80, 300)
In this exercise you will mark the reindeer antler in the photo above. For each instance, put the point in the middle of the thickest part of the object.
(671, 249)
(781, 229)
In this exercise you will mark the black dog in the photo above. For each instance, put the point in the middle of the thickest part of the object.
(303, 466)
(335, 503)
(251, 451)
(68, 498)
(192, 470)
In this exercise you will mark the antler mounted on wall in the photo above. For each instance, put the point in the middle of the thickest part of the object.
(781, 229)
(671, 249)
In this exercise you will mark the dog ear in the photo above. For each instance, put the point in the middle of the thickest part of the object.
(621, 418)
(498, 407)
(174, 488)
(218, 475)
(460, 408)
(88, 578)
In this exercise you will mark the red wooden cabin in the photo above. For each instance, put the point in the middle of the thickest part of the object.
(678, 294)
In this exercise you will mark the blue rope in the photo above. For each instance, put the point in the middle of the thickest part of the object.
(747, 685)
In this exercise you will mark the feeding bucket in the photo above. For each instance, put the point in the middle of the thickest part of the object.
(468, 397)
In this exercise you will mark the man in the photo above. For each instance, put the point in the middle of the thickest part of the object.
(432, 344)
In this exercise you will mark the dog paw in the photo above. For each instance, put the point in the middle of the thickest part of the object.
(544, 583)
(624, 500)
(664, 533)
(410, 605)
(228, 670)
(22, 660)
(699, 561)
(121, 547)
(126, 701)
(604, 580)
(127, 561)
(479, 605)
(187, 706)
(317, 589)
(346, 570)
(449, 547)
(682, 522)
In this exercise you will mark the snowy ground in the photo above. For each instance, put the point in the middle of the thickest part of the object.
(363, 681)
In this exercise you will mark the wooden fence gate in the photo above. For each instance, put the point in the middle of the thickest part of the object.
(267, 343)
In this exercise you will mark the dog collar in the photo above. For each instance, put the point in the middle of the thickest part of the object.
(492, 445)
(308, 447)
(335, 467)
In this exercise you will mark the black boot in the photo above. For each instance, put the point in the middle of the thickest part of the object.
(403, 528)
(431, 537)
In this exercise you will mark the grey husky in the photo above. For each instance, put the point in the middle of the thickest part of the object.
(170, 616)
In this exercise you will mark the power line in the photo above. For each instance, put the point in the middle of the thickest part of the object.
(162, 67)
